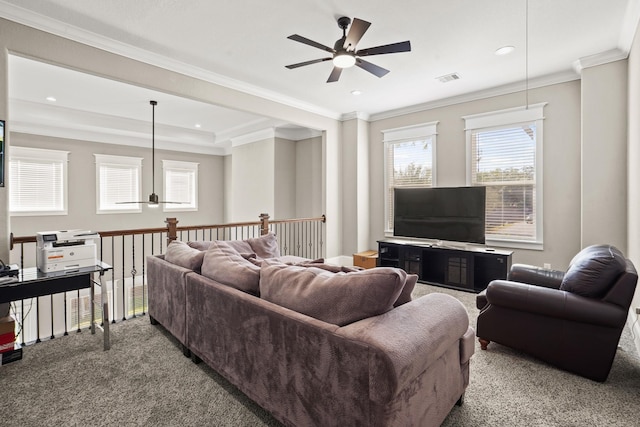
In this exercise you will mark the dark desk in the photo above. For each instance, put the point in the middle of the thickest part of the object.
(34, 283)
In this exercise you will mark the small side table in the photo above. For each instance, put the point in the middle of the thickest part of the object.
(34, 283)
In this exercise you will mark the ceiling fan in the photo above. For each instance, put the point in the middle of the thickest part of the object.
(344, 52)
(153, 197)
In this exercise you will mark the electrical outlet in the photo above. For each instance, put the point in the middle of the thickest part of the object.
(547, 265)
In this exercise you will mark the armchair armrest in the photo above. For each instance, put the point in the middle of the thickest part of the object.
(536, 276)
(554, 303)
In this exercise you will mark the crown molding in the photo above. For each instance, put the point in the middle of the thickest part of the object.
(551, 79)
(599, 59)
(297, 134)
(40, 22)
(53, 131)
(355, 115)
(259, 135)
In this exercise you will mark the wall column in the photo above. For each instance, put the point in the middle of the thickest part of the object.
(356, 189)
(604, 155)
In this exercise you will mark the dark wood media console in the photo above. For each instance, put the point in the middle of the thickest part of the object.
(469, 269)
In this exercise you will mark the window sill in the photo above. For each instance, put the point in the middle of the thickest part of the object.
(515, 244)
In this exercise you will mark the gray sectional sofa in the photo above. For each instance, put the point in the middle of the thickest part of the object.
(313, 344)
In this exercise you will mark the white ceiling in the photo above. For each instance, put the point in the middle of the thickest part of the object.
(244, 45)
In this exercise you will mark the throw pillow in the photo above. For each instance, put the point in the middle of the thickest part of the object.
(339, 298)
(265, 246)
(241, 246)
(593, 271)
(224, 264)
(201, 245)
(180, 253)
(409, 285)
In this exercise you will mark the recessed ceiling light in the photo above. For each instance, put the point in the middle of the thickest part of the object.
(505, 50)
(198, 125)
(356, 92)
(51, 99)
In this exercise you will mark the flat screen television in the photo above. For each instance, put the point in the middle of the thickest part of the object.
(455, 214)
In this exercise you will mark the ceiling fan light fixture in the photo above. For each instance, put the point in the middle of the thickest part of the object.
(344, 60)
(153, 200)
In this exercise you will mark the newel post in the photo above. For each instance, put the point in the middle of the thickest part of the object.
(264, 224)
(172, 229)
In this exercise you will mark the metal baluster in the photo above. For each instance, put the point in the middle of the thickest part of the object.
(113, 279)
(144, 278)
(133, 273)
(124, 299)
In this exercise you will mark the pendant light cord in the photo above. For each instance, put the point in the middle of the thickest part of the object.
(526, 53)
(153, 146)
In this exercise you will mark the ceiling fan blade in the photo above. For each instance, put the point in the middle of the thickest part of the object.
(335, 75)
(302, 64)
(387, 48)
(372, 68)
(357, 30)
(297, 38)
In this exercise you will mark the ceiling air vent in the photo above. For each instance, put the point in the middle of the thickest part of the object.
(448, 77)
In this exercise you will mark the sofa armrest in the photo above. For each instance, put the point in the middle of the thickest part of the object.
(536, 276)
(167, 294)
(406, 340)
(554, 303)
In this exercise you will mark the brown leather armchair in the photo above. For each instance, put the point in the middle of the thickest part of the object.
(572, 320)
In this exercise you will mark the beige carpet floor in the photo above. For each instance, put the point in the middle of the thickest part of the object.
(144, 380)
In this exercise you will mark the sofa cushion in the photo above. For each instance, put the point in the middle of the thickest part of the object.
(593, 271)
(180, 253)
(224, 264)
(265, 246)
(201, 245)
(409, 285)
(240, 246)
(338, 298)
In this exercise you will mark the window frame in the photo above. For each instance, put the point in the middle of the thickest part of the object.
(531, 114)
(406, 134)
(42, 155)
(175, 165)
(120, 161)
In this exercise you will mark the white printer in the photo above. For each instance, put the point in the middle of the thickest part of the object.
(65, 250)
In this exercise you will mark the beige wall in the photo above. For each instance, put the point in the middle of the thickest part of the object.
(561, 163)
(309, 178)
(252, 177)
(633, 177)
(284, 205)
(82, 188)
(604, 143)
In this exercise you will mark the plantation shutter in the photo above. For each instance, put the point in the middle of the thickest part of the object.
(37, 181)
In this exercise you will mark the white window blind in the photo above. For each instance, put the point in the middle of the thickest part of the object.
(37, 181)
(180, 185)
(408, 162)
(505, 158)
(117, 181)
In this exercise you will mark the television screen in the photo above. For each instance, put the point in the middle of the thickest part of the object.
(454, 214)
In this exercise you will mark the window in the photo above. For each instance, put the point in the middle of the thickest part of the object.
(117, 181)
(408, 161)
(37, 181)
(504, 153)
(180, 185)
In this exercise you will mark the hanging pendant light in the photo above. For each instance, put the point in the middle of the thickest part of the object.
(153, 197)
